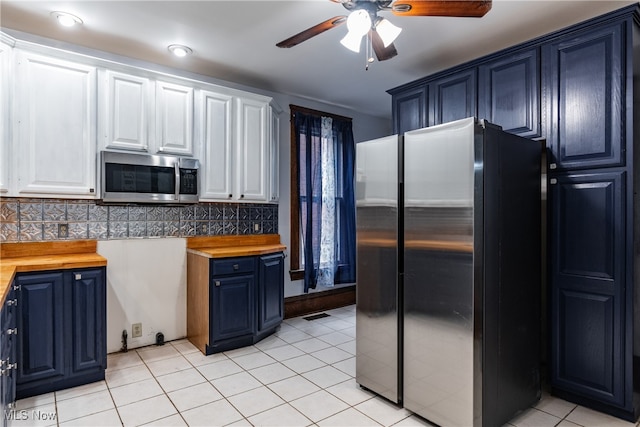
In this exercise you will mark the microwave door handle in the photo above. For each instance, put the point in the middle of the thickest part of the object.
(177, 172)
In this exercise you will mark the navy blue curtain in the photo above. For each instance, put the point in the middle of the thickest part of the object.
(343, 132)
(308, 143)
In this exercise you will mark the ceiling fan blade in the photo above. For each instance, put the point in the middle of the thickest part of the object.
(313, 31)
(382, 53)
(459, 8)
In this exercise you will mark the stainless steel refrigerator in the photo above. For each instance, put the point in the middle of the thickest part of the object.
(448, 272)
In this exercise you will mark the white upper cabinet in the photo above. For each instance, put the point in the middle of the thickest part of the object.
(174, 119)
(55, 134)
(126, 103)
(274, 164)
(216, 132)
(58, 109)
(5, 114)
(252, 134)
(236, 136)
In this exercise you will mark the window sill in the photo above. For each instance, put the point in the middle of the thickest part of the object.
(296, 274)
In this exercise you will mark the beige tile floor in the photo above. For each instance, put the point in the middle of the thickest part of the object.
(301, 376)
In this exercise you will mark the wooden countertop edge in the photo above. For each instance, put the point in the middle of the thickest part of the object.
(238, 251)
(253, 240)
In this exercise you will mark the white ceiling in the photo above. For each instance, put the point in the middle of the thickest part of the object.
(235, 40)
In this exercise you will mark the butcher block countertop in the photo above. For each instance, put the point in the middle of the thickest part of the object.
(235, 246)
(40, 256)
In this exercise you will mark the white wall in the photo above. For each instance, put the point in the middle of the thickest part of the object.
(146, 283)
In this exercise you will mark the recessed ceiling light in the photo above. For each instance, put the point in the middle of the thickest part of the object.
(66, 19)
(180, 50)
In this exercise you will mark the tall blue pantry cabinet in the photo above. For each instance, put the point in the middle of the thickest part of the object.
(574, 88)
(589, 111)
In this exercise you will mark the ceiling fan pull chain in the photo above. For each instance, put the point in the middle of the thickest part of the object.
(368, 53)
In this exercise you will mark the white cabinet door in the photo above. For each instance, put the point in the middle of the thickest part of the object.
(174, 119)
(216, 132)
(6, 80)
(125, 111)
(251, 139)
(274, 157)
(56, 131)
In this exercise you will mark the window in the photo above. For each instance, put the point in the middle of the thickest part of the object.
(322, 198)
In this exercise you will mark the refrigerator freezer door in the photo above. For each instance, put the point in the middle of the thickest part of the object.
(377, 335)
(438, 273)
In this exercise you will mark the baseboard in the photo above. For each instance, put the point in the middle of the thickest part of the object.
(300, 305)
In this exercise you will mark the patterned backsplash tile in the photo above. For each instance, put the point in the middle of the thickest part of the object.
(26, 219)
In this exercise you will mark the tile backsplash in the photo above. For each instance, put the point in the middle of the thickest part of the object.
(27, 220)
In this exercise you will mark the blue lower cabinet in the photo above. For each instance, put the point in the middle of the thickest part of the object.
(246, 300)
(232, 307)
(270, 292)
(61, 319)
(88, 321)
(40, 322)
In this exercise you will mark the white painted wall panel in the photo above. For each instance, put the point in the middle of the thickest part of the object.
(146, 283)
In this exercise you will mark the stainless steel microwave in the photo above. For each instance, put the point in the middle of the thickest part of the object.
(142, 178)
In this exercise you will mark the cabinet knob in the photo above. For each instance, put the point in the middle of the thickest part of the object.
(553, 181)
(12, 302)
(242, 196)
(236, 266)
(217, 283)
(78, 276)
(552, 166)
(16, 287)
(12, 331)
(230, 195)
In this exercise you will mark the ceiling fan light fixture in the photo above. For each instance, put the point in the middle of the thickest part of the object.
(179, 50)
(359, 24)
(66, 19)
(387, 31)
(352, 41)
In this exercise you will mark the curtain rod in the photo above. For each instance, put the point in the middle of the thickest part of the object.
(296, 108)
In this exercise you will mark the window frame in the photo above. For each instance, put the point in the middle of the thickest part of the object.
(295, 270)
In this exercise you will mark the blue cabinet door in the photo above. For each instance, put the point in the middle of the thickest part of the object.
(231, 307)
(40, 321)
(88, 308)
(270, 291)
(508, 93)
(409, 109)
(585, 78)
(587, 251)
(453, 97)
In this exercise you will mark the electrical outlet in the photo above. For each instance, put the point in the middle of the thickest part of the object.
(256, 226)
(136, 330)
(63, 231)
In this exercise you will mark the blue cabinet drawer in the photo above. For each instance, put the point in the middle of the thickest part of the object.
(220, 267)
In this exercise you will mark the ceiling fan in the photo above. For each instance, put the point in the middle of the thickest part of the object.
(363, 20)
